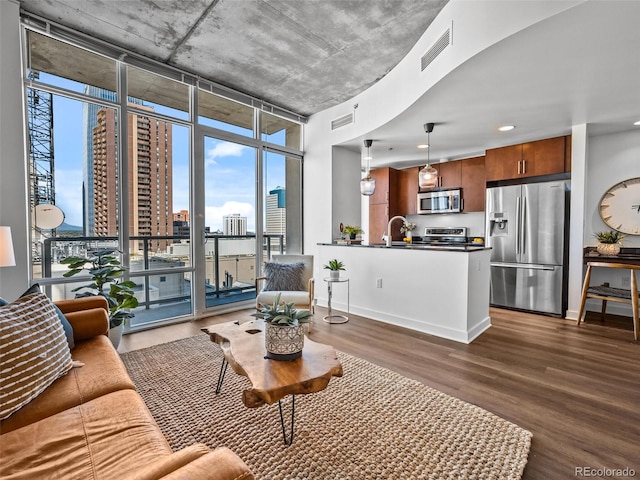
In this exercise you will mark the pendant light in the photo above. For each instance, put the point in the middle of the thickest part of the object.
(368, 183)
(428, 176)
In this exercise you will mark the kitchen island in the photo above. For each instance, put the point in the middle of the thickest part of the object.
(442, 291)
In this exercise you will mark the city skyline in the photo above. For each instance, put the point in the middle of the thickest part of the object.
(231, 165)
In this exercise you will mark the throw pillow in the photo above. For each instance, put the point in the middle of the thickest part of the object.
(68, 328)
(3, 302)
(284, 276)
(33, 353)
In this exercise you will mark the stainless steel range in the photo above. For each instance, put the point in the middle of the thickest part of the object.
(444, 237)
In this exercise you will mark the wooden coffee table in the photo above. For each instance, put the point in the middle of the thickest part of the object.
(272, 380)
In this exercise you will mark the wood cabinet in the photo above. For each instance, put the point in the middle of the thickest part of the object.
(408, 185)
(542, 157)
(384, 203)
(449, 174)
(473, 183)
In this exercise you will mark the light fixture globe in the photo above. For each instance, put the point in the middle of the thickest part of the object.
(368, 183)
(428, 177)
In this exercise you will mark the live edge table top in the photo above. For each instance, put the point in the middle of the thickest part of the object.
(271, 380)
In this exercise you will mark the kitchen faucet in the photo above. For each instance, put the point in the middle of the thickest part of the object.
(389, 227)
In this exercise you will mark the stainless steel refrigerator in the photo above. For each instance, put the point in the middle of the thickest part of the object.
(526, 227)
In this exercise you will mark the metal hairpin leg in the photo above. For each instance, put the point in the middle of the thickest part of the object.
(293, 410)
(223, 370)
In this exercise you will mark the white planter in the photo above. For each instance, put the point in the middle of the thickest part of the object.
(608, 249)
(115, 335)
(284, 342)
(334, 274)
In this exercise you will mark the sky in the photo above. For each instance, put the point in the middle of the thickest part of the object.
(229, 167)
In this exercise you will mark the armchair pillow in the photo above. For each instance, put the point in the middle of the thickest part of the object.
(68, 329)
(33, 353)
(284, 276)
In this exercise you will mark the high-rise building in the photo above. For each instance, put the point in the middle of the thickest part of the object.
(276, 212)
(234, 224)
(181, 223)
(150, 177)
(89, 122)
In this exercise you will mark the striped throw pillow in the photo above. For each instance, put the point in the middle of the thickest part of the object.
(33, 351)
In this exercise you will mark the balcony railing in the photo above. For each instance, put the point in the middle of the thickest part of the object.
(164, 277)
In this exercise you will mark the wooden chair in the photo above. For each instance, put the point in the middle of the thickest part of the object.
(607, 293)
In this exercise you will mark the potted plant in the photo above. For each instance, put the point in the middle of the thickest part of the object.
(609, 242)
(352, 231)
(284, 329)
(334, 266)
(105, 270)
(406, 229)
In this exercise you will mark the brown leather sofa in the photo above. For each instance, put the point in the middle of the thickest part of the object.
(92, 424)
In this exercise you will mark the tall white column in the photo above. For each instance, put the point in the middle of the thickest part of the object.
(13, 185)
(579, 155)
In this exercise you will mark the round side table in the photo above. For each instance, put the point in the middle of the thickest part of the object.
(335, 318)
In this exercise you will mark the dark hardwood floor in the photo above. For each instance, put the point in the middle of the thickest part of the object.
(576, 389)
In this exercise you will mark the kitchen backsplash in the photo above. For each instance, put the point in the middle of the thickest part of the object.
(474, 222)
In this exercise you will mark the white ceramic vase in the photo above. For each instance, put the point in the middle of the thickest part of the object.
(115, 335)
(284, 342)
(608, 249)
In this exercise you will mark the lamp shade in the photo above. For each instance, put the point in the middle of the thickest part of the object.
(7, 258)
(367, 185)
(428, 177)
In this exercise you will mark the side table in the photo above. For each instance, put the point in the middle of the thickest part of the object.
(335, 318)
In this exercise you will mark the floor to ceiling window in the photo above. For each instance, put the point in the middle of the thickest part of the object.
(140, 172)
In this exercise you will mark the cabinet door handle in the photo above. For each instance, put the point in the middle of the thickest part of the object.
(519, 173)
(524, 167)
(386, 196)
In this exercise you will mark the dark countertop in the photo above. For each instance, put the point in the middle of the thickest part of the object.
(411, 246)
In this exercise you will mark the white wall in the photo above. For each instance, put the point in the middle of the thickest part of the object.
(13, 212)
(612, 158)
(345, 199)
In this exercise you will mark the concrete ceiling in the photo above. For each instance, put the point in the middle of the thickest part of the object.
(304, 56)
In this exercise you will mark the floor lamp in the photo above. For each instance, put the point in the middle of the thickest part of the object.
(7, 259)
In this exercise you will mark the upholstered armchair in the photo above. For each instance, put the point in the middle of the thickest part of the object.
(292, 276)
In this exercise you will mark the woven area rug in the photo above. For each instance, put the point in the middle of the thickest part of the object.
(369, 424)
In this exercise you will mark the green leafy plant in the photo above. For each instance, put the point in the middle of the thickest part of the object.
(334, 264)
(282, 313)
(352, 230)
(105, 269)
(609, 236)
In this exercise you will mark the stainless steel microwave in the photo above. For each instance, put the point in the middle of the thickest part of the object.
(441, 201)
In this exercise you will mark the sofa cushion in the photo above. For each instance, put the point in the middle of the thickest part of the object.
(68, 329)
(110, 437)
(103, 372)
(284, 276)
(33, 353)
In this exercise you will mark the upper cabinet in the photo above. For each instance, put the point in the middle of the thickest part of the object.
(386, 185)
(472, 181)
(543, 157)
(408, 186)
(448, 174)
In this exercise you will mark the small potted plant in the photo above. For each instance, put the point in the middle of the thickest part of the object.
(284, 329)
(352, 231)
(334, 266)
(105, 270)
(609, 242)
(406, 229)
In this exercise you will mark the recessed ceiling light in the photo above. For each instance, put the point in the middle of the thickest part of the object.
(637, 123)
(506, 128)
(424, 145)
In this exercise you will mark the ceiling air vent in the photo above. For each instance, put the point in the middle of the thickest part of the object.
(436, 49)
(342, 121)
